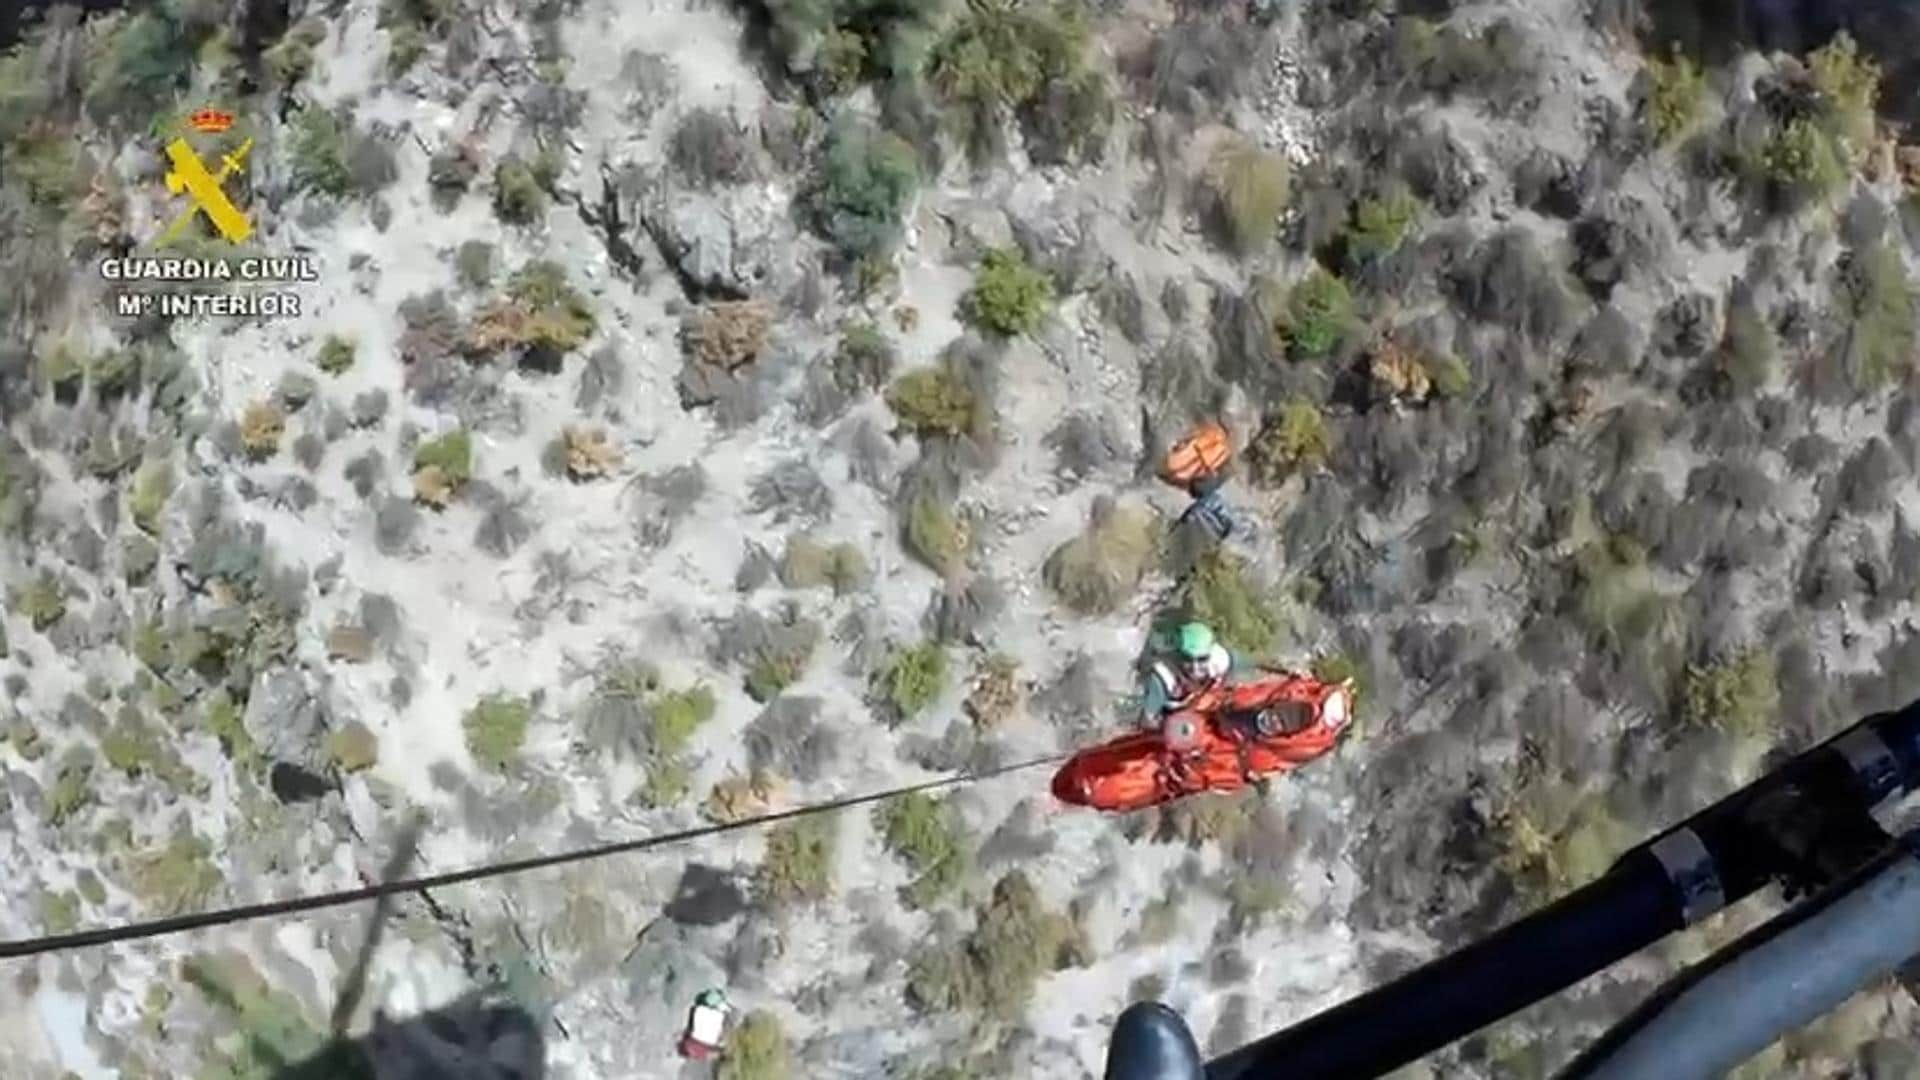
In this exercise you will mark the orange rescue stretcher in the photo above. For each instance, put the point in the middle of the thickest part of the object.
(1221, 740)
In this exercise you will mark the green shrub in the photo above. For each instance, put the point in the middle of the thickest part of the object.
(542, 317)
(1293, 439)
(1219, 593)
(995, 968)
(676, 715)
(1849, 86)
(180, 877)
(1676, 93)
(1250, 188)
(224, 720)
(914, 678)
(72, 787)
(1738, 695)
(48, 168)
(1617, 603)
(139, 64)
(1008, 297)
(798, 864)
(864, 360)
(667, 784)
(353, 748)
(932, 401)
(518, 197)
(60, 911)
(134, 749)
(1555, 838)
(273, 1027)
(1879, 299)
(319, 147)
(1380, 225)
(934, 536)
(147, 498)
(1802, 161)
(42, 602)
(756, 1050)
(1449, 375)
(926, 835)
(1002, 56)
(291, 58)
(808, 564)
(451, 453)
(866, 179)
(496, 729)
(336, 355)
(1319, 310)
(1099, 570)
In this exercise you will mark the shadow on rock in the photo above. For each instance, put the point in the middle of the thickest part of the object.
(477, 1037)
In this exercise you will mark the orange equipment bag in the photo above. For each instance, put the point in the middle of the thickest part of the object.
(1203, 452)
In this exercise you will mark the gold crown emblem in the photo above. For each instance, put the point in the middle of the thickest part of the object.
(210, 121)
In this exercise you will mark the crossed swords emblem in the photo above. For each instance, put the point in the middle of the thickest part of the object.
(190, 174)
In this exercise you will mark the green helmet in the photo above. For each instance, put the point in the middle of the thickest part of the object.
(1196, 640)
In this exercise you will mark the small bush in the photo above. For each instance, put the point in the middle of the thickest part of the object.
(542, 317)
(179, 878)
(933, 535)
(756, 1050)
(1100, 570)
(1250, 187)
(1676, 94)
(518, 197)
(913, 679)
(496, 728)
(353, 748)
(261, 427)
(866, 179)
(924, 833)
(1802, 162)
(1293, 439)
(1003, 57)
(1449, 375)
(727, 334)
(674, 717)
(932, 401)
(473, 264)
(1319, 311)
(864, 360)
(1738, 695)
(1881, 302)
(319, 148)
(1380, 224)
(995, 968)
(442, 466)
(798, 864)
(147, 497)
(42, 602)
(336, 355)
(808, 564)
(1849, 87)
(1219, 593)
(1008, 297)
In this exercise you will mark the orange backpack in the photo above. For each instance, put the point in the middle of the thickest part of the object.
(1202, 453)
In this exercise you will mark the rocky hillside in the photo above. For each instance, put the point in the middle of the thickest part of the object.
(711, 407)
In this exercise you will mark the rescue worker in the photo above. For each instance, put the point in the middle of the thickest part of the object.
(1199, 663)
